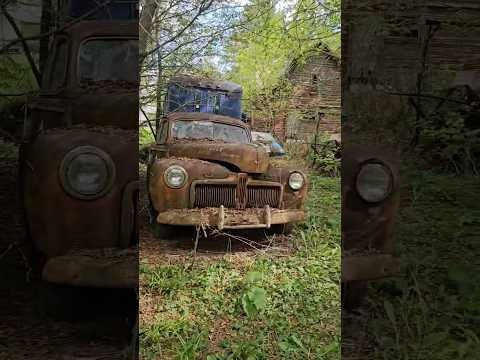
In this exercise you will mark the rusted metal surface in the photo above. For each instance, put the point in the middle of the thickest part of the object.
(109, 103)
(95, 113)
(128, 217)
(247, 157)
(59, 222)
(240, 194)
(223, 178)
(368, 267)
(368, 226)
(223, 218)
(105, 268)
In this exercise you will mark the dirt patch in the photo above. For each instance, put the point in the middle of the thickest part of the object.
(180, 248)
(357, 342)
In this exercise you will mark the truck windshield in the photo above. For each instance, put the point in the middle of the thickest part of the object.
(207, 130)
(108, 60)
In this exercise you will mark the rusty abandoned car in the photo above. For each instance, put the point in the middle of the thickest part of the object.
(370, 201)
(206, 171)
(78, 160)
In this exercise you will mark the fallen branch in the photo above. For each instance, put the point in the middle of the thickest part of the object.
(195, 246)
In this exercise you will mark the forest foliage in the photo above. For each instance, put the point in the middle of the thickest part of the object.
(250, 42)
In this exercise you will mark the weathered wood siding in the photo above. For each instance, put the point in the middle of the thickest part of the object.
(317, 94)
(385, 51)
(310, 98)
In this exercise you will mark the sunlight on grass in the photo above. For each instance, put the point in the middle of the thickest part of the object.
(262, 307)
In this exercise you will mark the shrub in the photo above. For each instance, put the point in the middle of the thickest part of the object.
(325, 157)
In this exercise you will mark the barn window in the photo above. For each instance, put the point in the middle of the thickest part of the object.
(314, 79)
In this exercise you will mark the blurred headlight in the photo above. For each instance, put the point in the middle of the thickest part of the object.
(296, 181)
(87, 172)
(374, 182)
(175, 176)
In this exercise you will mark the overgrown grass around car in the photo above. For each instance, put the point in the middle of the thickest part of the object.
(252, 305)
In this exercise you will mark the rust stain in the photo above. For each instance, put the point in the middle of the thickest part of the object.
(235, 175)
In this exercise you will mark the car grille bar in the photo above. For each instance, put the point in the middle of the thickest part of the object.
(237, 196)
(260, 196)
(215, 195)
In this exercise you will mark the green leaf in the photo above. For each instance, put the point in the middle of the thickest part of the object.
(258, 297)
(254, 276)
(247, 305)
(285, 346)
(297, 341)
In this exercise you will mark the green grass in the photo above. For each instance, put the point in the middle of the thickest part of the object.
(252, 306)
(432, 311)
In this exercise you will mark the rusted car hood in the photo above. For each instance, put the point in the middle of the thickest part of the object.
(249, 158)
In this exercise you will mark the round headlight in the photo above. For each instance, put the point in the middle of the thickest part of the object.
(175, 176)
(374, 182)
(87, 172)
(296, 181)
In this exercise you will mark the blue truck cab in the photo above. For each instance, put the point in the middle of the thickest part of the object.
(193, 94)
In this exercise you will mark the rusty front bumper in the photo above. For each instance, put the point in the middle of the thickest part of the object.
(368, 267)
(104, 268)
(222, 218)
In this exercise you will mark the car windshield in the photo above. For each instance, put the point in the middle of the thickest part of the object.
(207, 130)
(108, 60)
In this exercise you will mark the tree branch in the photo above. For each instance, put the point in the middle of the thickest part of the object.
(204, 6)
(26, 49)
(149, 124)
(56, 31)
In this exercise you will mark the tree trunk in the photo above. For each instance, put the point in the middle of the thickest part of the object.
(159, 111)
(147, 15)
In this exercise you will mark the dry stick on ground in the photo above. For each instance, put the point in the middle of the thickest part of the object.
(261, 247)
(195, 246)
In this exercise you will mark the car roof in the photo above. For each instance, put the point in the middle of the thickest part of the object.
(205, 83)
(198, 116)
